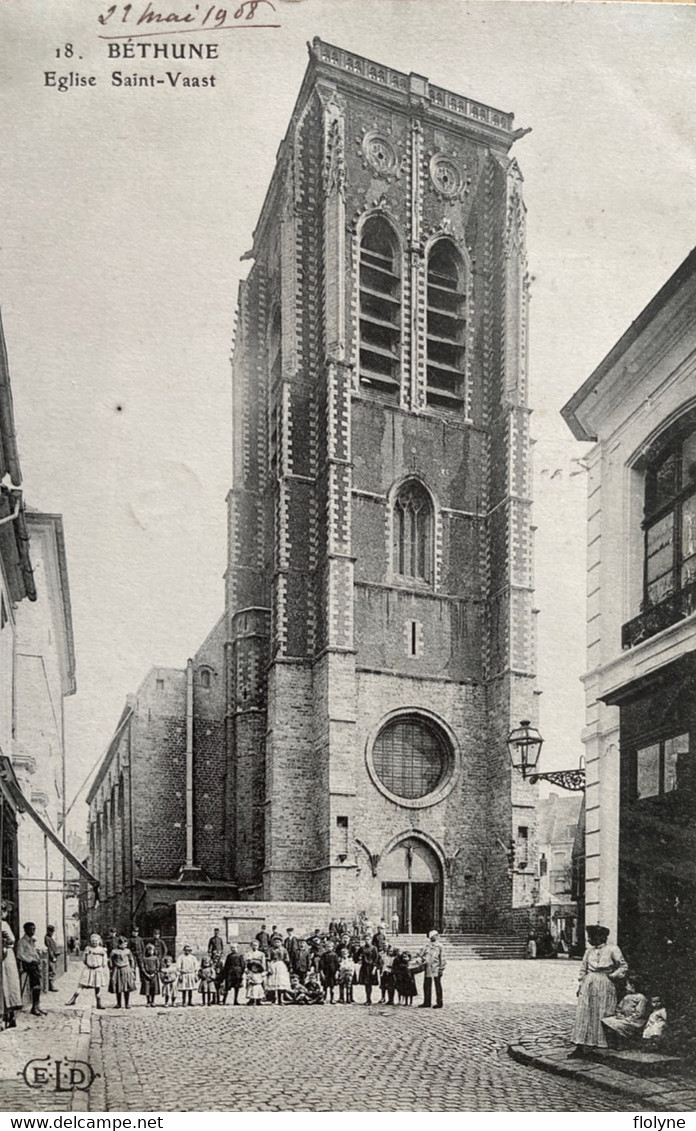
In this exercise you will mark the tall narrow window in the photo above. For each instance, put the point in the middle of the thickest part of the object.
(275, 347)
(413, 532)
(670, 520)
(446, 327)
(380, 309)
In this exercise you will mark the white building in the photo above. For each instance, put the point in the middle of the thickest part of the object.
(44, 675)
(639, 408)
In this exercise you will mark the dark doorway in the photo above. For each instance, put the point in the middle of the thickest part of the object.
(412, 886)
(423, 909)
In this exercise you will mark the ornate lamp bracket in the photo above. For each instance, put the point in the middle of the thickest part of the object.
(566, 779)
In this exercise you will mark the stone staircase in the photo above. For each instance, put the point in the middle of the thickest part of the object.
(461, 947)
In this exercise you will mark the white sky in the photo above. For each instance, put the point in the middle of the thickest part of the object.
(124, 215)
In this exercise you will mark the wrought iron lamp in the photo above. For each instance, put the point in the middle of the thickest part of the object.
(524, 746)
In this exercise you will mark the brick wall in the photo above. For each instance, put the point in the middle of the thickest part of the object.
(240, 921)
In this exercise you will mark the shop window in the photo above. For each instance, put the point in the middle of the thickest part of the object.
(657, 766)
(380, 309)
(446, 330)
(413, 533)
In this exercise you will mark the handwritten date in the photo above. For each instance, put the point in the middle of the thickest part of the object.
(199, 17)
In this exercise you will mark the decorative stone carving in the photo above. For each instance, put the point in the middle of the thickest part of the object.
(448, 179)
(515, 218)
(334, 160)
(380, 154)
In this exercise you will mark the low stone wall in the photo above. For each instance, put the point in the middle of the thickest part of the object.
(239, 922)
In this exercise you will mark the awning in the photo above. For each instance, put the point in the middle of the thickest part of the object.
(9, 779)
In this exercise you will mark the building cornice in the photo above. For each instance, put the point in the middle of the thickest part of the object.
(110, 754)
(52, 524)
(580, 412)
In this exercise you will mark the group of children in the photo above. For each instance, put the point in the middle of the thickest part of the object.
(325, 967)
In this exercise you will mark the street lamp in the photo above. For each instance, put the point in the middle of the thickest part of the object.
(524, 745)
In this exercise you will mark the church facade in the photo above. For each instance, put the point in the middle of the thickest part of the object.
(379, 590)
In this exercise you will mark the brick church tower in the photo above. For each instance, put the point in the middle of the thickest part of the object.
(379, 586)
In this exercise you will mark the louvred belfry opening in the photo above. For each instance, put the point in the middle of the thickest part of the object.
(446, 327)
(380, 309)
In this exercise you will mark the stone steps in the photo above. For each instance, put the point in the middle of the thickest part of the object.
(463, 947)
(635, 1062)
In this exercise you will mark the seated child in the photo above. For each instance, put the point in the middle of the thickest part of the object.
(296, 995)
(656, 1026)
(628, 1022)
(313, 989)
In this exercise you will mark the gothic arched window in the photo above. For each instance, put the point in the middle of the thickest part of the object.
(446, 330)
(380, 308)
(413, 532)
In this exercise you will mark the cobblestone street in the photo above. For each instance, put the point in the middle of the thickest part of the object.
(343, 1058)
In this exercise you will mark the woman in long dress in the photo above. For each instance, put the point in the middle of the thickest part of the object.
(11, 991)
(95, 971)
(601, 968)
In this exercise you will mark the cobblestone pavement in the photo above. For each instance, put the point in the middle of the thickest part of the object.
(348, 1058)
(62, 1034)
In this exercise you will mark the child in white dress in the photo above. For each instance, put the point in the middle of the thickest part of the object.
(187, 975)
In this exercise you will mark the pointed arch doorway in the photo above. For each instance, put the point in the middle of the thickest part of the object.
(412, 886)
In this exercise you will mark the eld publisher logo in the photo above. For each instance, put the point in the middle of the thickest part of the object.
(61, 1075)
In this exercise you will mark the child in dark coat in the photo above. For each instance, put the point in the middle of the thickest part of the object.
(404, 980)
(150, 975)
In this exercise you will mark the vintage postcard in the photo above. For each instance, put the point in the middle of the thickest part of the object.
(348, 547)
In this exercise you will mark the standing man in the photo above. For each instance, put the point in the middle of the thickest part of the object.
(53, 952)
(137, 946)
(263, 940)
(28, 958)
(215, 945)
(292, 948)
(111, 940)
(395, 922)
(434, 959)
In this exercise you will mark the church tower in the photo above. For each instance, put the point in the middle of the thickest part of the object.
(379, 586)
